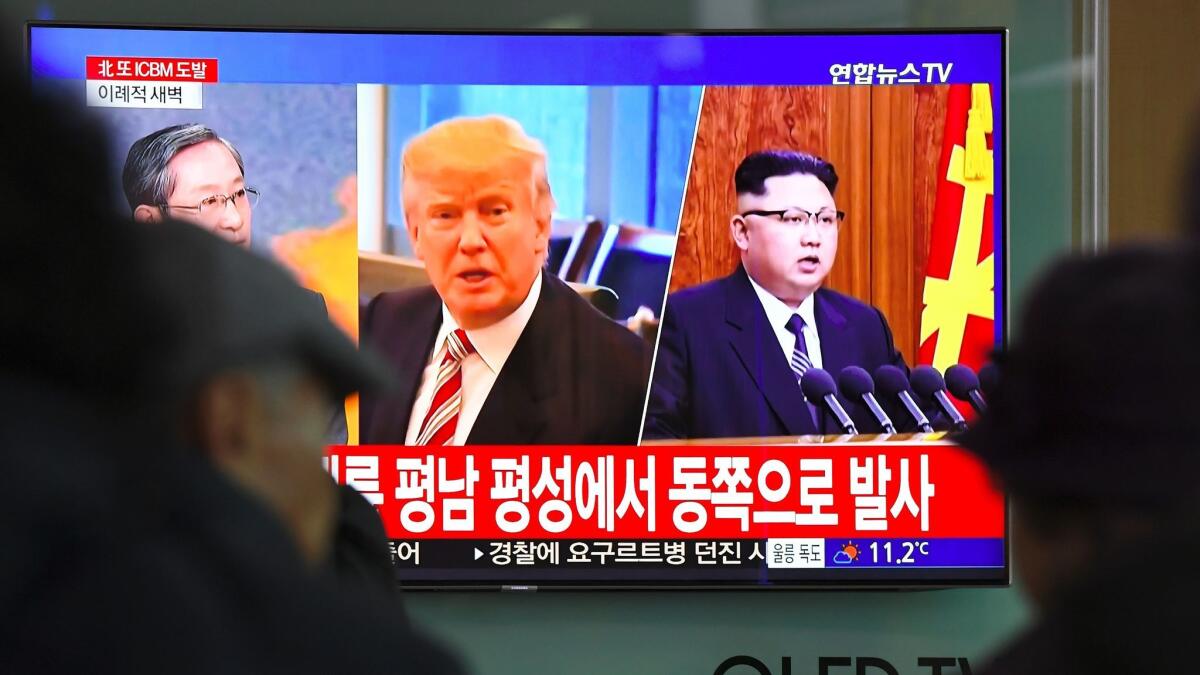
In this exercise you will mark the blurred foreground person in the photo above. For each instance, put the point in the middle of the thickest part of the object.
(1092, 433)
(254, 374)
(188, 173)
(124, 551)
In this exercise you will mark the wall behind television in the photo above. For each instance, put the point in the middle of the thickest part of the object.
(690, 632)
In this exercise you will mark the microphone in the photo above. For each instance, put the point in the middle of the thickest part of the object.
(928, 384)
(893, 382)
(856, 383)
(989, 379)
(964, 384)
(818, 387)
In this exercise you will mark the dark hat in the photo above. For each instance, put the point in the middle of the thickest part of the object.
(1099, 394)
(236, 308)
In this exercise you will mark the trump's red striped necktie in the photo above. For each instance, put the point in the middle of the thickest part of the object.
(442, 419)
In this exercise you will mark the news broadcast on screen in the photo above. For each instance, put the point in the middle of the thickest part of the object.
(658, 310)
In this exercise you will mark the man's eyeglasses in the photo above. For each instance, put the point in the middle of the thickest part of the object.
(215, 204)
(824, 219)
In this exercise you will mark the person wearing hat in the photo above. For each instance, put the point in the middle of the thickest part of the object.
(188, 173)
(1091, 432)
(209, 526)
(125, 550)
(252, 376)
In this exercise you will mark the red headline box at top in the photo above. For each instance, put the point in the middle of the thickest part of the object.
(665, 492)
(151, 69)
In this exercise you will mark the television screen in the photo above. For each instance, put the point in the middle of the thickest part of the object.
(659, 310)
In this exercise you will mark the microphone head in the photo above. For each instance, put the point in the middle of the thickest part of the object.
(961, 381)
(926, 381)
(854, 382)
(817, 384)
(989, 378)
(891, 380)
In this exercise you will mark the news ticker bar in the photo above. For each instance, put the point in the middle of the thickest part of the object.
(771, 554)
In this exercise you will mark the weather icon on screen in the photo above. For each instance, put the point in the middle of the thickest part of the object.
(847, 555)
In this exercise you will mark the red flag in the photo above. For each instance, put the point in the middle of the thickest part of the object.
(958, 317)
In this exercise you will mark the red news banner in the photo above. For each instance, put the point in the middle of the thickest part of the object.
(926, 489)
(151, 69)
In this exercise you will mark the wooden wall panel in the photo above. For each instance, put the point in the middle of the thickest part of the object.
(736, 121)
(849, 127)
(892, 289)
(703, 247)
(930, 127)
(907, 130)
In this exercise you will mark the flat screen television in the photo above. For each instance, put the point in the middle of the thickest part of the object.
(609, 274)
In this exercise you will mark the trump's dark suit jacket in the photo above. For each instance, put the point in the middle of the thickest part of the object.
(574, 376)
(720, 372)
(336, 433)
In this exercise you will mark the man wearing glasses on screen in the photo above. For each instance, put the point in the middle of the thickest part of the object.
(731, 351)
(189, 173)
